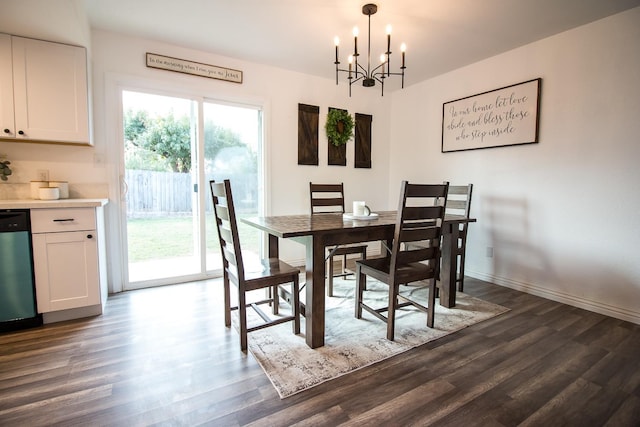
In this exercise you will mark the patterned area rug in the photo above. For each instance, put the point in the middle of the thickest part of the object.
(352, 343)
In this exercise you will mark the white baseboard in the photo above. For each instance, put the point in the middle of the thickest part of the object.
(595, 306)
(71, 314)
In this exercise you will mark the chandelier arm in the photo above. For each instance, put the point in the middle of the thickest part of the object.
(361, 70)
(389, 74)
(373, 72)
(356, 79)
(388, 53)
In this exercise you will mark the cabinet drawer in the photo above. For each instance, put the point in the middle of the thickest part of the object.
(60, 220)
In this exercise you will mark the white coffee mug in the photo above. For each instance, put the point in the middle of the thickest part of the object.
(361, 209)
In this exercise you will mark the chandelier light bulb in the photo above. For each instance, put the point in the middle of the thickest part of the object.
(355, 31)
(388, 29)
(336, 41)
(403, 48)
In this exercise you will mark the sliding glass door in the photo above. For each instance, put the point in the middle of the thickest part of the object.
(172, 147)
(232, 147)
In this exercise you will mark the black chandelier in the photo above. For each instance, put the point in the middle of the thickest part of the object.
(356, 71)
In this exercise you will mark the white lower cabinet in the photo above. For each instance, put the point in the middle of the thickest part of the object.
(66, 254)
(66, 270)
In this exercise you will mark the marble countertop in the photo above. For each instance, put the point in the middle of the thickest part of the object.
(48, 204)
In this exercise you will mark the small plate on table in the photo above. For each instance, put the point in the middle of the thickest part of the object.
(349, 215)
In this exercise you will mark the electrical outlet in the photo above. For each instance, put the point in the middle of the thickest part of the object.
(489, 252)
(43, 175)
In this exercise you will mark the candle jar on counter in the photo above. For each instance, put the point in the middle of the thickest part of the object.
(63, 187)
(49, 193)
(35, 188)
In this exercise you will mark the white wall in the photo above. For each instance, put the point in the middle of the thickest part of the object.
(61, 21)
(563, 215)
(119, 61)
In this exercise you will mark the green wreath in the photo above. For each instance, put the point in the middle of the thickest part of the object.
(339, 126)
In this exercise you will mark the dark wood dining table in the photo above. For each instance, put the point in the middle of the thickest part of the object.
(327, 230)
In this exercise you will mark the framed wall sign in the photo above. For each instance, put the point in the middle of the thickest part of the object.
(194, 68)
(500, 117)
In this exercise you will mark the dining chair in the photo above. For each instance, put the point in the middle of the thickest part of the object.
(274, 271)
(329, 198)
(420, 216)
(459, 203)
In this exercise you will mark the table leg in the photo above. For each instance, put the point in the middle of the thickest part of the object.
(272, 247)
(449, 266)
(315, 288)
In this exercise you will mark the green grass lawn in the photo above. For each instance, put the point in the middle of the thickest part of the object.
(168, 237)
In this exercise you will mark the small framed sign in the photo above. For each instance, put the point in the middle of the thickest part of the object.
(500, 117)
(193, 68)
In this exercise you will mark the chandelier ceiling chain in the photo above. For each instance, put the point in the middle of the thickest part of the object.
(369, 76)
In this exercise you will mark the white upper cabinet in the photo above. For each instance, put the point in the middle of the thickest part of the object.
(50, 95)
(7, 122)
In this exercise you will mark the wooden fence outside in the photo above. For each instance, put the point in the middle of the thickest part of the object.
(153, 194)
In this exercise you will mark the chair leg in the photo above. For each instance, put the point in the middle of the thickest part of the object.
(432, 303)
(363, 255)
(330, 281)
(361, 282)
(295, 304)
(227, 301)
(276, 299)
(461, 278)
(242, 311)
(391, 313)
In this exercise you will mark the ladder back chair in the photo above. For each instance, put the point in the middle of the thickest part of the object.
(420, 216)
(274, 272)
(329, 198)
(459, 203)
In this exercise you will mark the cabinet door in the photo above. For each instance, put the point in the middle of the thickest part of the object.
(50, 91)
(66, 270)
(7, 124)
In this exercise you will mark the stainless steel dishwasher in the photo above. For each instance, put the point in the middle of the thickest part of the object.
(17, 286)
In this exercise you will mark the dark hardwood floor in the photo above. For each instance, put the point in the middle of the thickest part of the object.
(163, 357)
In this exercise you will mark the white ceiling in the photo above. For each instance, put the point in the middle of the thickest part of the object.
(441, 35)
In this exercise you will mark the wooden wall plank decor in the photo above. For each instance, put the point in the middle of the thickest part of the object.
(308, 118)
(337, 154)
(363, 141)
